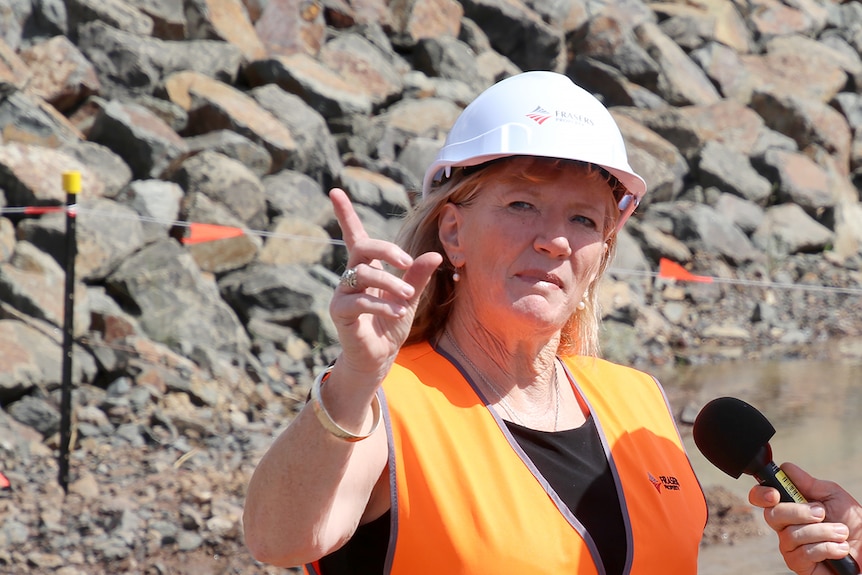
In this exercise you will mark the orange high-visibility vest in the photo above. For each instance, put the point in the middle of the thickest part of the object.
(465, 500)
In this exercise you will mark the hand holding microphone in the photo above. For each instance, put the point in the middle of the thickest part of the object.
(734, 437)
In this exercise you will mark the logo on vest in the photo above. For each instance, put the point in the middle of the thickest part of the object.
(669, 482)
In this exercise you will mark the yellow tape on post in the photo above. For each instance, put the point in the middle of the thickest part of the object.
(72, 182)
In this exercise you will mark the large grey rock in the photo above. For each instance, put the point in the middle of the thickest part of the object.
(214, 105)
(787, 229)
(519, 33)
(233, 145)
(226, 181)
(28, 358)
(296, 194)
(142, 139)
(317, 153)
(31, 121)
(33, 283)
(31, 175)
(157, 203)
(700, 226)
(148, 61)
(732, 172)
(175, 304)
(285, 294)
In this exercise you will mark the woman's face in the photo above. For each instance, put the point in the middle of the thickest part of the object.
(530, 249)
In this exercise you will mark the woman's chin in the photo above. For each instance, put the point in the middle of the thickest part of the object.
(539, 314)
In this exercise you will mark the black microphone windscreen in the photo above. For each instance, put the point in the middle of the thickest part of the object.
(730, 433)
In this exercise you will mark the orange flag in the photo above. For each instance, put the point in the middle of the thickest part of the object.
(671, 270)
(200, 233)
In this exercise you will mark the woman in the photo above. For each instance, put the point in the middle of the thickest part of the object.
(508, 446)
(806, 538)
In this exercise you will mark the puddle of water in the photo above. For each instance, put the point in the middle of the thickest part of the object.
(816, 409)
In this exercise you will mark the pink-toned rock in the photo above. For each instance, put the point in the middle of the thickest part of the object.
(34, 121)
(61, 74)
(682, 81)
(417, 19)
(776, 18)
(805, 182)
(227, 107)
(36, 278)
(357, 62)
(34, 175)
(289, 26)
(13, 70)
(426, 117)
(809, 122)
(295, 241)
(320, 86)
(803, 73)
(19, 364)
(85, 486)
(344, 13)
(226, 19)
(716, 20)
(728, 121)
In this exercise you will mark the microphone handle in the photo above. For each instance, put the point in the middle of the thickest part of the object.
(773, 476)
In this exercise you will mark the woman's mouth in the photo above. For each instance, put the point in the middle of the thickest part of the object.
(537, 276)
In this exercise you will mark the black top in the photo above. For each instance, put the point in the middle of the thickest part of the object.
(572, 461)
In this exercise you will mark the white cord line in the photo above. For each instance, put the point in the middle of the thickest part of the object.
(750, 283)
(267, 234)
(185, 224)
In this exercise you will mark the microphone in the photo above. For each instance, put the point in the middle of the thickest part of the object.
(734, 436)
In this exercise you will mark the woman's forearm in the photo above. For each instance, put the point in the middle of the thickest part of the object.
(311, 489)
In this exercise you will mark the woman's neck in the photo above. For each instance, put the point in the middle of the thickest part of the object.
(512, 355)
(522, 381)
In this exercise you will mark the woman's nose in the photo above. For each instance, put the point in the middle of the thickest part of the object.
(554, 242)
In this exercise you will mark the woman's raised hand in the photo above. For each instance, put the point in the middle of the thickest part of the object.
(373, 318)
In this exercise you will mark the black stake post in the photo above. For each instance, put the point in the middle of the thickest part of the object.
(72, 185)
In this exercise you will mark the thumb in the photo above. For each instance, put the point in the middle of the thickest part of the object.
(805, 482)
(419, 273)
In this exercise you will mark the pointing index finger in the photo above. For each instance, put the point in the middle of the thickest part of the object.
(352, 229)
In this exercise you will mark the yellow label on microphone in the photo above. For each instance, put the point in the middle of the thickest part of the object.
(791, 489)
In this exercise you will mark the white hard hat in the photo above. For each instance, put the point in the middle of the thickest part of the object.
(538, 113)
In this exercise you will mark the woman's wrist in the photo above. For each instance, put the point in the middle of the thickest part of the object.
(326, 420)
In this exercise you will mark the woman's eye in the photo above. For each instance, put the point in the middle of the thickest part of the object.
(584, 220)
(518, 205)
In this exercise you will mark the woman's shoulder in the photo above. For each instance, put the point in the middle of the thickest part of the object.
(414, 352)
(592, 365)
(417, 361)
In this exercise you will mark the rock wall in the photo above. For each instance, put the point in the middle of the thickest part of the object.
(221, 116)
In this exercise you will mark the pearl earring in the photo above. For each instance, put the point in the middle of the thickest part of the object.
(456, 275)
(582, 305)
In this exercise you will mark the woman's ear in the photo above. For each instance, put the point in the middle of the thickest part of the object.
(449, 230)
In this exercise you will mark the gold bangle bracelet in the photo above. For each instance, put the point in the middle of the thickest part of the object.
(326, 420)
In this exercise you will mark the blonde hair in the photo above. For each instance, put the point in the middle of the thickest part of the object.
(420, 234)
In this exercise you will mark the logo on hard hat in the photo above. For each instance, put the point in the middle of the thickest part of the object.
(539, 115)
(574, 118)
